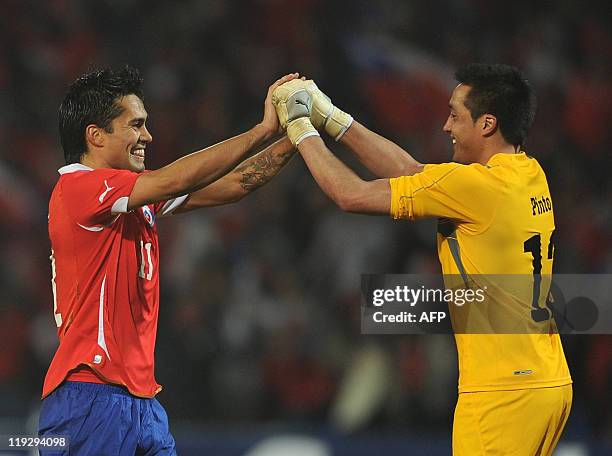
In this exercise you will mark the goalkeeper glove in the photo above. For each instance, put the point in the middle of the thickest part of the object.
(324, 114)
(293, 106)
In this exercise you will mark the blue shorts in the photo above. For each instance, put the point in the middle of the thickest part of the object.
(105, 420)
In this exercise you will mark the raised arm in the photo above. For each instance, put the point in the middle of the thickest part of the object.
(341, 184)
(245, 178)
(381, 156)
(199, 169)
(295, 107)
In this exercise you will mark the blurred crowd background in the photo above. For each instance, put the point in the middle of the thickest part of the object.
(259, 320)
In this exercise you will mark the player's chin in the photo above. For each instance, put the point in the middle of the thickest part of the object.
(458, 156)
(137, 164)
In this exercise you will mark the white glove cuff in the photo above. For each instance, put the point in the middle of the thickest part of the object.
(349, 122)
(305, 135)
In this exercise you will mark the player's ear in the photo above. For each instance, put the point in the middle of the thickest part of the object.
(489, 124)
(94, 135)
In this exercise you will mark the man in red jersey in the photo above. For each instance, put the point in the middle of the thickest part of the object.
(99, 390)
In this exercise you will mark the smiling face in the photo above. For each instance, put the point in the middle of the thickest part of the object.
(125, 146)
(466, 134)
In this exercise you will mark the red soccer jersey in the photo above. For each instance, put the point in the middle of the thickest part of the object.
(105, 278)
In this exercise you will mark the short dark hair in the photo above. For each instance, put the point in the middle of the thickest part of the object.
(92, 99)
(503, 91)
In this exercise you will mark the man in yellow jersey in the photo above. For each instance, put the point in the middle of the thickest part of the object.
(495, 217)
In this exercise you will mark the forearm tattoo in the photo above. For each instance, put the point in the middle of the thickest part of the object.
(258, 170)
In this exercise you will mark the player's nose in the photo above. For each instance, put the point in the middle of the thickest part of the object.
(146, 135)
(446, 126)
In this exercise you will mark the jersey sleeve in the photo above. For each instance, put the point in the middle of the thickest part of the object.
(167, 207)
(451, 190)
(96, 197)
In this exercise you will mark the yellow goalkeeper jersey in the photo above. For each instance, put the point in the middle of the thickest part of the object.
(493, 219)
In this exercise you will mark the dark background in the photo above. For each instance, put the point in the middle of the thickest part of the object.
(259, 322)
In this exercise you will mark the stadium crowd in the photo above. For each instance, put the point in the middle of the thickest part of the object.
(260, 311)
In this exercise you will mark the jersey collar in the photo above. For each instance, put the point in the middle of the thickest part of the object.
(73, 167)
(502, 157)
